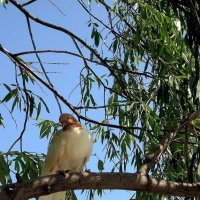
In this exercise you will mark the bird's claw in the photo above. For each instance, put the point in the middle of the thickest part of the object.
(88, 170)
(68, 171)
(62, 172)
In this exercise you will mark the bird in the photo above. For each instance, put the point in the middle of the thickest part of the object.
(69, 149)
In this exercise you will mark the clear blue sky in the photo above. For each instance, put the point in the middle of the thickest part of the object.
(15, 37)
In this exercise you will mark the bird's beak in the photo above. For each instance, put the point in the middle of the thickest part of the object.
(63, 124)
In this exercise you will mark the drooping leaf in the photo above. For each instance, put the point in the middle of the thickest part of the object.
(100, 165)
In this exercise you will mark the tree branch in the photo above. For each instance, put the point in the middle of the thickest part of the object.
(27, 3)
(40, 62)
(61, 29)
(100, 21)
(73, 181)
(26, 115)
(146, 74)
(57, 51)
(153, 158)
(15, 60)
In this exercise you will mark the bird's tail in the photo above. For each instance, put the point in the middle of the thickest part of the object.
(54, 196)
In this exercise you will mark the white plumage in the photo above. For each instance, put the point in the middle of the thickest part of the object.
(69, 149)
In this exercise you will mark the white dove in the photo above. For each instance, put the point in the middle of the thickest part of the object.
(69, 149)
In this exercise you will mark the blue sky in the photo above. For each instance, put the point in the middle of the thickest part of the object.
(14, 36)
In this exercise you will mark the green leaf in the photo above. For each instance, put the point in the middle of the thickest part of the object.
(17, 167)
(45, 105)
(96, 38)
(95, 24)
(38, 110)
(4, 171)
(100, 192)
(198, 90)
(115, 43)
(126, 56)
(45, 130)
(32, 104)
(93, 101)
(136, 40)
(100, 165)
(14, 103)
(7, 87)
(1, 121)
(11, 94)
(4, 2)
(7, 97)
(93, 32)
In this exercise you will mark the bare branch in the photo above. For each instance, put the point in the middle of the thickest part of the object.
(98, 107)
(27, 3)
(56, 51)
(40, 62)
(57, 7)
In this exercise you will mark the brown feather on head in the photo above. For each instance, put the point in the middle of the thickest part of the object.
(68, 121)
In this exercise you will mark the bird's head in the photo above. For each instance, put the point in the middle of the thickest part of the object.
(68, 121)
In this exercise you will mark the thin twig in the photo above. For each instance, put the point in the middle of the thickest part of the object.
(97, 19)
(27, 3)
(129, 130)
(26, 115)
(40, 62)
(99, 107)
(146, 74)
(10, 114)
(51, 63)
(57, 7)
(57, 51)
(61, 29)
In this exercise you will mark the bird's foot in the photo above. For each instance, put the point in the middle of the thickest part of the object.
(88, 170)
(62, 172)
(68, 171)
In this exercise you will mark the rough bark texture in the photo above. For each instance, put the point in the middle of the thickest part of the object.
(121, 181)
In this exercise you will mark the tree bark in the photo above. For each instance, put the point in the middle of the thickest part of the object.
(73, 181)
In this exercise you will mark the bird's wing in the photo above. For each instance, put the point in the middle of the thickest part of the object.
(51, 166)
(55, 153)
(83, 163)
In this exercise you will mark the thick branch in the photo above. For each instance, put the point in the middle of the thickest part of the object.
(73, 181)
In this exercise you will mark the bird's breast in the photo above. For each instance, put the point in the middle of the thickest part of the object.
(77, 144)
